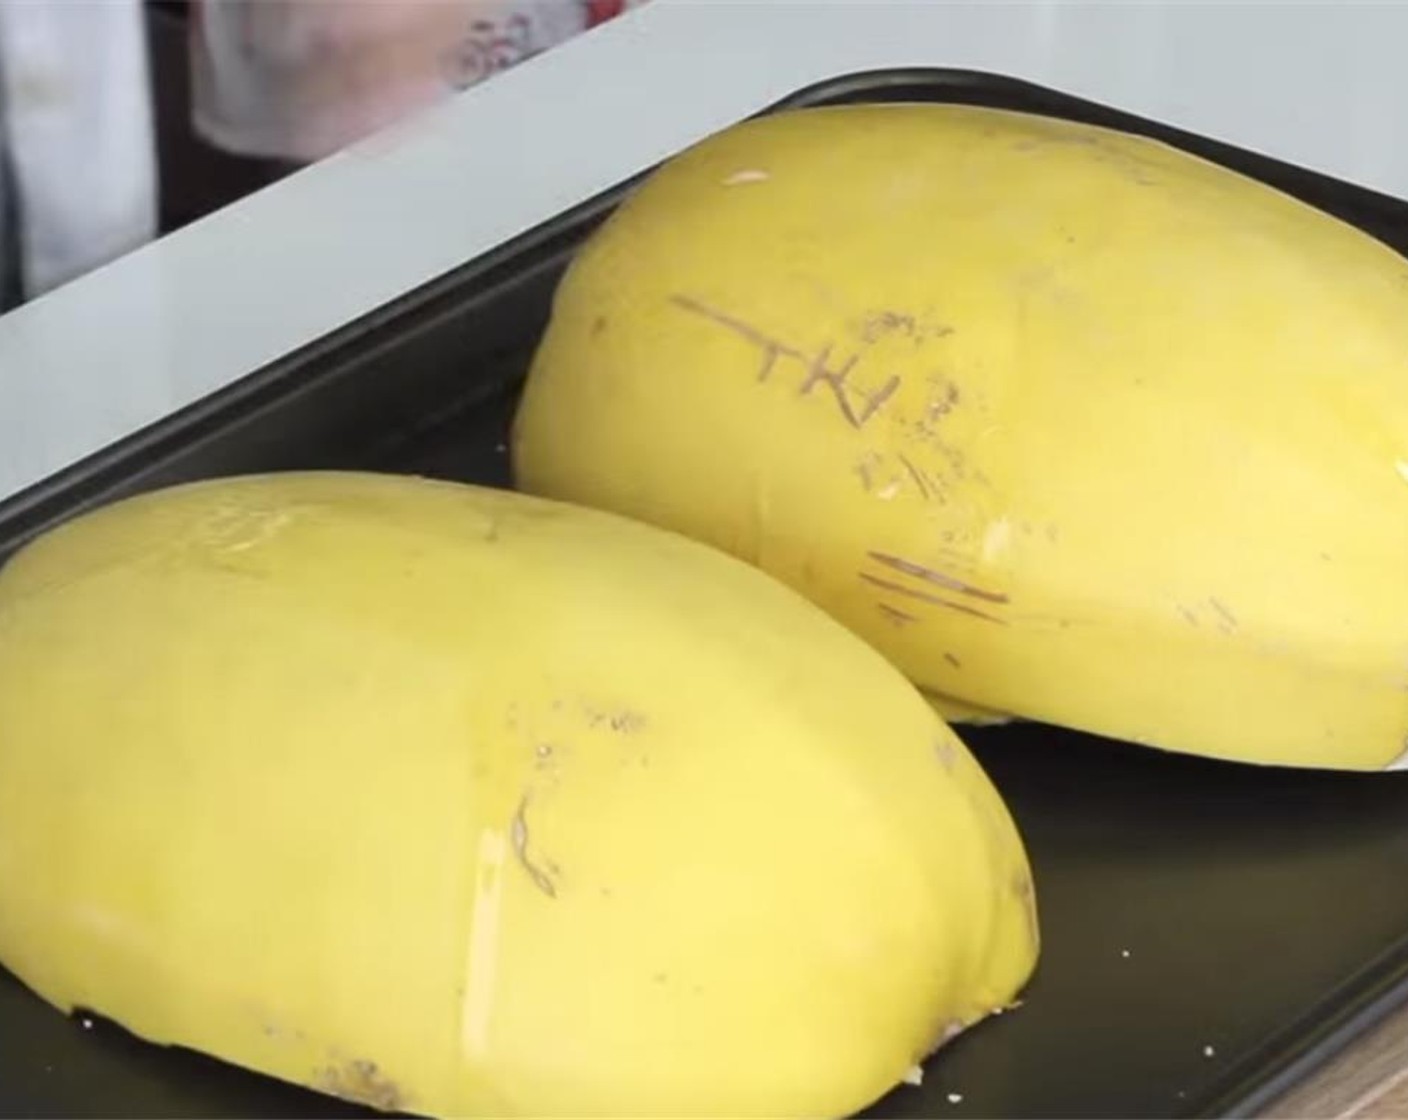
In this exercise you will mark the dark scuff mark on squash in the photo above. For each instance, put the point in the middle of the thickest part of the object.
(895, 615)
(938, 578)
(518, 835)
(923, 596)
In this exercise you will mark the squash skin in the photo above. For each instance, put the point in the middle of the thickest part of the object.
(1067, 423)
(460, 802)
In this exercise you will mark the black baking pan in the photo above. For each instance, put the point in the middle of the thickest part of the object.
(1212, 931)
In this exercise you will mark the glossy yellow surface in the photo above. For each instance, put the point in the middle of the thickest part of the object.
(465, 803)
(1067, 423)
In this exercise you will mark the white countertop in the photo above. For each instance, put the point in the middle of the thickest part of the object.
(1322, 85)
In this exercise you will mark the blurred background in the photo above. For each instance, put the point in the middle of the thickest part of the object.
(123, 120)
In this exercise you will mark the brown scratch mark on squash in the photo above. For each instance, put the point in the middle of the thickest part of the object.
(772, 348)
(899, 617)
(627, 722)
(971, 610)
(924, 596)
(1188, 616)
(866, 467)
(954, 457)
(915, 473)
(874, 401)
(362, 1082)
(598, 325)
(880, 324)
(623, 721)
(836, 381)
(817, 371)
(1229, 620)
(940, 407)
(929, 575)
(952, 659)
(518, 835)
